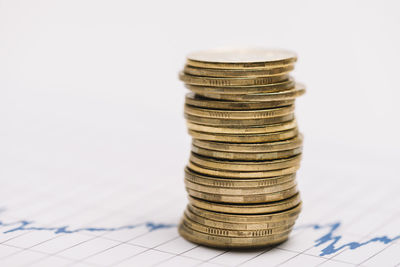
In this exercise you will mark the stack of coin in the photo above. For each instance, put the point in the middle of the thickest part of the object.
(246, 147)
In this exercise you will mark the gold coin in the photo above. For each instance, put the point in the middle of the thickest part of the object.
(220, 82)
(226, 73)
(248, 219)
(246, 209)
(243, 130)
(245, 166)
(239, 191)
(240, 90)
(251, 148)
(238, 114)
(241, 58)
(215, 91)
(245, 138)
(234, 233)
(244, 199)
(230, 242)
(199, 101)
(237, 226)
(241, 175)
(235, 183)
(246, 156)
(276, 96)
(234, 122)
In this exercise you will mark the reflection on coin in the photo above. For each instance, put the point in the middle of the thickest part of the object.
(238, 114)
(240, 175)
(277, 127)
(246, 208)
(226, 73)
(283, 86)
(244, 199)
(230, 242)
(251, 148)
(236, 225)
(275, 96)
(246, 156)
(245, 138)
(239, 191)
(199, 101)
(241, 58)
(236, 122)
(234, 233)
(271, 217)
(218, 82)
(244, 166)
(197, 178)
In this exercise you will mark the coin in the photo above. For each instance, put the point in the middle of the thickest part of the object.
(226, 73)
(237, 226)
(250, 148)
(240, 175)
(281, 86)
(246, 209)
(199, 101)
(241, 58)
(234, 233)
(246, 156)
(240, 90)
(238, 114)
(230, 242)
(235, 122)
(211, 81)
(239, 191)
(246, 148)
(247, 219)
(244, 166)
(243, 129)
(236, 183)
(244, 199)
(245, 138)
(275, 96)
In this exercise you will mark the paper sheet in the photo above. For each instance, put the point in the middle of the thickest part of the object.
(350, 217)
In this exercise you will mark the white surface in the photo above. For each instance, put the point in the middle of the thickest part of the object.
(92, 132)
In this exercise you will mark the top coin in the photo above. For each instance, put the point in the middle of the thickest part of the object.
(245, 58)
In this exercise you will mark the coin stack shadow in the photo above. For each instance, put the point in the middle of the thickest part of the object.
(246, 148)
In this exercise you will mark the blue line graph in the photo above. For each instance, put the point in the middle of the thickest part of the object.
(328, 242)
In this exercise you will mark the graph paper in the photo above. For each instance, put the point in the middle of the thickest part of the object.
(351, 216)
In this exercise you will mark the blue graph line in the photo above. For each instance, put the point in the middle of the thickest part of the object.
(24, 225)
(328, 241)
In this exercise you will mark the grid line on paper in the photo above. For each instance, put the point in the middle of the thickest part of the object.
(177, 255)
(40, 252)
(382, 250)
(263, 252)
(362, 237)
(116, 263)
(76, 215)
(375, 254)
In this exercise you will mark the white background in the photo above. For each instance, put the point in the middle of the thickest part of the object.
(89, 84)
